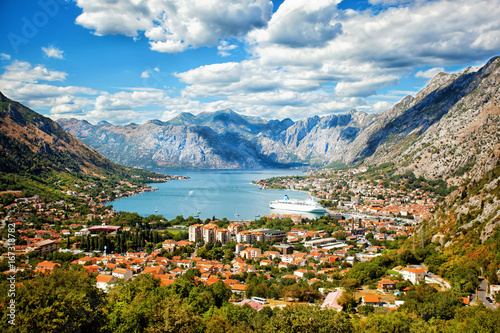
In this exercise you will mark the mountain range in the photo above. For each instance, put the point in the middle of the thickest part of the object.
(449, 113)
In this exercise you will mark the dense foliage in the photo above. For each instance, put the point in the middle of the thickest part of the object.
(68, 301)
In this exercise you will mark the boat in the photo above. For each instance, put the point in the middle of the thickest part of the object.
(306, 206)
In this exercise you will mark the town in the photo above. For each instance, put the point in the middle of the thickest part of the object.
(348, 258)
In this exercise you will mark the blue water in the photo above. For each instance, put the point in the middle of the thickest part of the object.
(219, 193)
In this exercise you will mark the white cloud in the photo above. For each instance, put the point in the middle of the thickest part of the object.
(389, 2)
(53, 52)
(145, 74)
(381, 106)
(224, 47)
(430, 73)
(301, 23)
(369, 51)
(24, 72)
(26, 83)
(4, 56)
(69, 106)
(365, 87)
(176, 25)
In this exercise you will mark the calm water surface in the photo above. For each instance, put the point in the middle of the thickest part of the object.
(219, 193)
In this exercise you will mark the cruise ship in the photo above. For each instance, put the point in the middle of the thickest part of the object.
(306, 206)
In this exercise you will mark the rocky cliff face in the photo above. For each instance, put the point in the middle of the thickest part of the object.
(451, 124)
(459, 131)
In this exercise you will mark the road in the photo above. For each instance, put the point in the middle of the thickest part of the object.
(483, 287)
(431, 278)
(4, 220)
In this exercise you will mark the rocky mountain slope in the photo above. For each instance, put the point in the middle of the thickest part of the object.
(451, 124)
(34, 145)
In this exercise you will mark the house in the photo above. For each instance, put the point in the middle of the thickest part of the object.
(167, 279)
(238, 288)
(414, 275)
(250, 253)
(47, 265)
(155, 270)
(184, 263)
(253, 304)
(122, 273)
(177, 271)
(494, 288)
(266, 263)
(212, 280)
(46, 246)
(385, 284)
(272, 254)
(331, 301)
(205, 276)
(300, 272)
(105, 282)
(283, 265)
(373, 300)
(84, 260)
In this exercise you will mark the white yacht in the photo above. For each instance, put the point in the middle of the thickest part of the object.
(306, 206)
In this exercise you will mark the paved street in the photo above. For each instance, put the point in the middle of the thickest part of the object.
(482, 295)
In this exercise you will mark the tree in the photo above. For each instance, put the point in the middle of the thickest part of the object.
(191, 274)
(347, 300)
(395, 322)
(295, 319)
(221, 293)
(132, 304)
(172, 316)
(64, 301)
(217, 324)
(408, 258)
(350, 284)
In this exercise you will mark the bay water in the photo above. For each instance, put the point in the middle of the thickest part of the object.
(209, 193)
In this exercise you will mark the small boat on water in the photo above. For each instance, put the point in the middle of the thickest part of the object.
(306, 206)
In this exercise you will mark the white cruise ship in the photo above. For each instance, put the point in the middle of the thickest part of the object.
(306, 206)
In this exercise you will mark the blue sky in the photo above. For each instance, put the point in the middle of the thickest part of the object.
(133, 60)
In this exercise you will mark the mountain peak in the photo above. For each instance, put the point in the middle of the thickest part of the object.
(104, 123)
(156, 122)
(3, 98)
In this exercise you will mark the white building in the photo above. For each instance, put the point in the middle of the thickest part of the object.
(105, 282)
(122, 273)
(414, 275)
(195, 232)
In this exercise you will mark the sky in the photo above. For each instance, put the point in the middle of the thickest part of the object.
(129, 61)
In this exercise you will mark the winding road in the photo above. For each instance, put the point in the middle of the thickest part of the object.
(481, 294)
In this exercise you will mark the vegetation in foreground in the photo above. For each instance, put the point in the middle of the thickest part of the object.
(67, 301)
